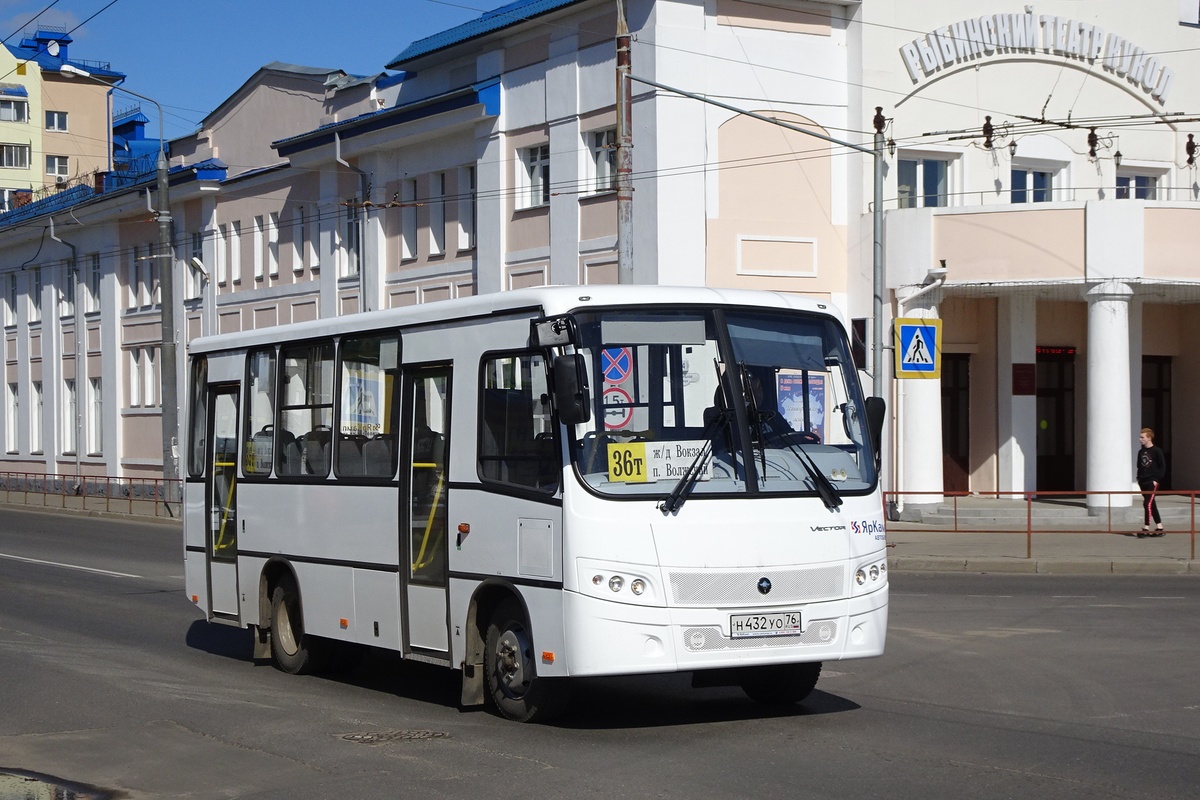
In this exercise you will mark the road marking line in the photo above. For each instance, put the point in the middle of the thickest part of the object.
(1074, 597)
(1167, 597)
(68, 566)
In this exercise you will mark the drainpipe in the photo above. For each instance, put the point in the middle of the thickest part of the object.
(80, 355)
(365, 185)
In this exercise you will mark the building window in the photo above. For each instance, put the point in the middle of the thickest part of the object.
(68, 417)
(192, 275)
(922, 182)
(352, 243)
(603, 145)
(95, 421)
(221, 254)
(466, 208)
(258, 243)
(35, 295)
(10, 299)
(1032, 186)
(93, 282)
(35, 419)
(1137, 187)
(142, 379)
(66, 301)
(408, 219)
(299, 240)
(535, 175)
(14, 156)
(12, 407)
(58, 166)
(235, 252)
(437, 213)
(273, 245)
(56, 121)
(14, 111)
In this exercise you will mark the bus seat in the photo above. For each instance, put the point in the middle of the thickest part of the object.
(315, 448)
(379, 455)
(350, 454)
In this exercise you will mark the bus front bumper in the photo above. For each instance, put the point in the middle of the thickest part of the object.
(606, 638)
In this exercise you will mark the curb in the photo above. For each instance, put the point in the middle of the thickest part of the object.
(1046, 566)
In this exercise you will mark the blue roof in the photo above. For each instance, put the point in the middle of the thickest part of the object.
(500, 18)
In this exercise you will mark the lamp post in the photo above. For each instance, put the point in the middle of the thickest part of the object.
(168, 378)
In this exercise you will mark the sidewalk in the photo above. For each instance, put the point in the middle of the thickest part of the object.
(979, 534)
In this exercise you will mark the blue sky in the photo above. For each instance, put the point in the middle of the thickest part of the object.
(190, 55)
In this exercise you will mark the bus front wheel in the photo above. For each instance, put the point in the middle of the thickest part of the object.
(779, 684)
(289, 649)
(511, 672)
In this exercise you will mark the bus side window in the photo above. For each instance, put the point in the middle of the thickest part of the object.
(196, 453)
(260, 412)
(517, 442)
(305, 409)
(369, 408)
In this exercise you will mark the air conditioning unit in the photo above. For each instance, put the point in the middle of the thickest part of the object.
(60, 180)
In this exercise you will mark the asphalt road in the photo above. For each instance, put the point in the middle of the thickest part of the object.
(993, 686)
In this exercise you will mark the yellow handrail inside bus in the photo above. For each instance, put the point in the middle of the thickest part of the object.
(420, 562)
(219, 542)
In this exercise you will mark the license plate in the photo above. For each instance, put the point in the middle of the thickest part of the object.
(778, 623)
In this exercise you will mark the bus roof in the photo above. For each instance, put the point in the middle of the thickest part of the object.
(548, 300)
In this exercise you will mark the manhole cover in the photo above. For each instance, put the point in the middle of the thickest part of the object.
(17, 784)
(376, 737)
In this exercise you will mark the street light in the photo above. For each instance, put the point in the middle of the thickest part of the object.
(170, 405)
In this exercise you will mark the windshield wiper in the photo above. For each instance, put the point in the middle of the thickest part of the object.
(687, 481)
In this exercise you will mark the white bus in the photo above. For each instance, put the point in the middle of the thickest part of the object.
(543, 484)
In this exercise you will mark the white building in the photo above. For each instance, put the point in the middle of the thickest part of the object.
(484, 162)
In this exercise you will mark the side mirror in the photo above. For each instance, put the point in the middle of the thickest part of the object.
(876, 411)
(571, 396)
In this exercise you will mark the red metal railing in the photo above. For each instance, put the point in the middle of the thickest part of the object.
(138, 496)
(958, 525)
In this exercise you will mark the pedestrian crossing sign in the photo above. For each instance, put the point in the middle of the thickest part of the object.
(918, 348)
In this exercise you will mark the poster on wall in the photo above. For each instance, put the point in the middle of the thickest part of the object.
(793, 400)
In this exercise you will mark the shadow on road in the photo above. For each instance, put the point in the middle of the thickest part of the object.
(639, 701)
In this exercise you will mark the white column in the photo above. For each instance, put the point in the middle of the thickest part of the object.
(919, 408)
(330, 212)
(1109, 421)
(208, 255)
(1016, 343)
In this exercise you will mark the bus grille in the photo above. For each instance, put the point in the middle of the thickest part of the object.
(732, 589)
(706, 639)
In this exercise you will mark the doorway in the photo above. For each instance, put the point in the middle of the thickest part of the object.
(425, 468)
(221, 500)
(1156, 405)
(956, 422)
(1056, 419)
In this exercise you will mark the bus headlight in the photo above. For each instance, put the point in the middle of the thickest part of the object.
(870, 576)
(624, 583)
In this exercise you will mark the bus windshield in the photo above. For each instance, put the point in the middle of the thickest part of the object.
(719, 402)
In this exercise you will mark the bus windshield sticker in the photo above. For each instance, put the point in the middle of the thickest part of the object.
(648, 462)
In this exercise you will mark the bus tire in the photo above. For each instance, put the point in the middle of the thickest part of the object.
(779, 684)
(511, 671)
(291, 650)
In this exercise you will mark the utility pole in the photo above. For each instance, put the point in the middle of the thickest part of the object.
(880, 123)
(624, 151)
(166, 281)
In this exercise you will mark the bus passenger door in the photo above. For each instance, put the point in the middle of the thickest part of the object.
(425, 466)
(221, 501)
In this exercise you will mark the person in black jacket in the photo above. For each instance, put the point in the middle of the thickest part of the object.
(1151, 468)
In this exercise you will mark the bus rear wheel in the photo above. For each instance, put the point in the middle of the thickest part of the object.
(291, 650)
(511, 672)
(779, 684)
